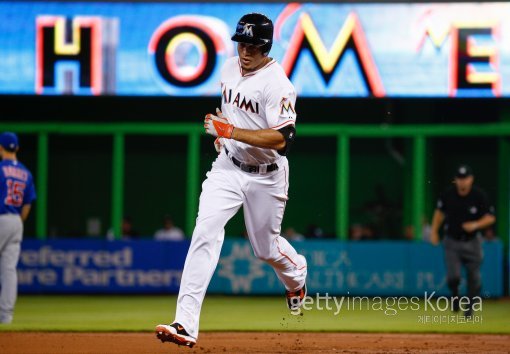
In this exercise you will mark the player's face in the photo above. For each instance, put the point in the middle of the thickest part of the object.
(251, 56)
(464, 185)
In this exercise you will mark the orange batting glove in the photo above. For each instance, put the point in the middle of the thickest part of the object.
(218, 126)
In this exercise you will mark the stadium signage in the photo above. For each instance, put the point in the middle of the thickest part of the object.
(146, 266)
(334, 50)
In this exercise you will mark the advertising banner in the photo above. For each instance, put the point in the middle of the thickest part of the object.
(348, 268)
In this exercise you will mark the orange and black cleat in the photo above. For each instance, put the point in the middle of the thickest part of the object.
(175, 333)
(295, 298)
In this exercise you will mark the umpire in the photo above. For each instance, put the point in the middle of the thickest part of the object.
(465, 211)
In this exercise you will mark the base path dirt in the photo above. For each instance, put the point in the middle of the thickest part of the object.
(256, 342)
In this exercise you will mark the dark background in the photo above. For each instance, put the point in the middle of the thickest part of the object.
(80, 166)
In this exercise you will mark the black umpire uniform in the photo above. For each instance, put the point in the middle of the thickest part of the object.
(465, 211)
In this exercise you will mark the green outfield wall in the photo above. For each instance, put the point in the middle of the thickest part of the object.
(338, 172)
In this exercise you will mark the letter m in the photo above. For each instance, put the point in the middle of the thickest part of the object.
(350, 36)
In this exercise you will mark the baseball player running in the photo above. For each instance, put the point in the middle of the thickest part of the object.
(17, 193)
(254, 128)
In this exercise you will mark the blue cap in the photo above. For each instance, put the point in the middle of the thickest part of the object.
(9, 141)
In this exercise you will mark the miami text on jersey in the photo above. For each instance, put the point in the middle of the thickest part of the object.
(243, 103)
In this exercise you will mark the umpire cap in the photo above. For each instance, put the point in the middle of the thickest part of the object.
(463, 171)
(9, 141)
(255, 29)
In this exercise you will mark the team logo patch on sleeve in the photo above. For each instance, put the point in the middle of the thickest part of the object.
(286, 105)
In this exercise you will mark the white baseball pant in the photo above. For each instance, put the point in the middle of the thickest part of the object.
(263, 197)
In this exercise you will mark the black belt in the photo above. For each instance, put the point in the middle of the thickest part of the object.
(463, 238)
(251, 168)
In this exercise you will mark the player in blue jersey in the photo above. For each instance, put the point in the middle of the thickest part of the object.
(17, 192)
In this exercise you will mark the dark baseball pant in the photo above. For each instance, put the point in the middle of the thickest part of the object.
(468, 254)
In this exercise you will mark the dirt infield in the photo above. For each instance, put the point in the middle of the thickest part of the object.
(257, 342)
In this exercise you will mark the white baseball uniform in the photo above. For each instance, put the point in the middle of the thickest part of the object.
(259, 100)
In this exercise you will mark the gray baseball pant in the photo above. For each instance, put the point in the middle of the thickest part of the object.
(467, 253)
(11, 234)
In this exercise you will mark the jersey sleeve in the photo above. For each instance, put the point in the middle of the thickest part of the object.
(280, 107)
(29, 195)
(441, 203)
(485, 206)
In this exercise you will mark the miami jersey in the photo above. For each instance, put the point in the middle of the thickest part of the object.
(263, 99)
(16, 187)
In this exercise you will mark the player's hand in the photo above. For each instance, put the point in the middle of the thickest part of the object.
(218, 144)
(470, 226)
(218, 125)
(434, 238)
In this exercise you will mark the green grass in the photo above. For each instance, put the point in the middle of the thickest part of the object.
(142, 313)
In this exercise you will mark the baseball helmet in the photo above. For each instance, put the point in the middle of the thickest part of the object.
(255, 29)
